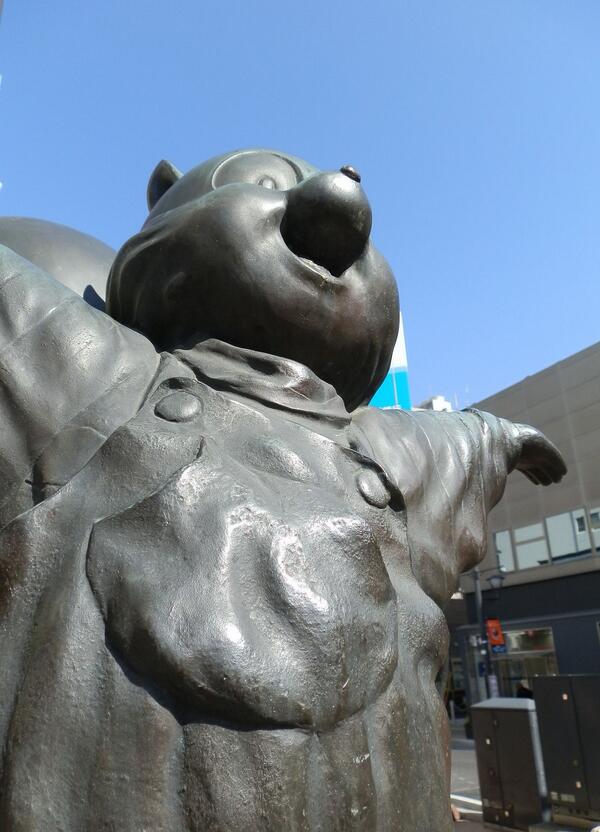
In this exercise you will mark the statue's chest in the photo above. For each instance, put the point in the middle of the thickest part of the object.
(310, 496)
(257, 568)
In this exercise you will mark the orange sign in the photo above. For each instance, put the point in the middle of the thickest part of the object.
(495, 635)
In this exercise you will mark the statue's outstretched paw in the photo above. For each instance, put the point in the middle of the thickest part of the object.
(540, 459)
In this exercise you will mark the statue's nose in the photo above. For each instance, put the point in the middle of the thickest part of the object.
(328, 219)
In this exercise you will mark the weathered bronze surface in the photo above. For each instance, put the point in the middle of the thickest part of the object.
(79, 261)
(221, 574)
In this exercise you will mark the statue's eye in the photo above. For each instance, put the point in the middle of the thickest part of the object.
(257, 167)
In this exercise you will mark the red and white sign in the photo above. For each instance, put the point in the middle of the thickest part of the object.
(495, 635)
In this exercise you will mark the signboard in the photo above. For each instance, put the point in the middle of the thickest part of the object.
(495, 635)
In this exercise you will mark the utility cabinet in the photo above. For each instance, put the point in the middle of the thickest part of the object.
(509, 761)
(568, 710)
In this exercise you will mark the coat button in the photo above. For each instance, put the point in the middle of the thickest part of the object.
(372, 488)
(178, 407)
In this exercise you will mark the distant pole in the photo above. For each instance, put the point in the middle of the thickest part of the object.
(482, 630)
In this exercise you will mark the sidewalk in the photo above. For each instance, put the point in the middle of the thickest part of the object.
(465, 781)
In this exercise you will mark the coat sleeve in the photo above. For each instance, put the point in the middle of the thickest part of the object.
(69, 376)
(451, 469)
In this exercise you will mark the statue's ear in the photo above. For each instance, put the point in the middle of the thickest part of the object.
(162, 177)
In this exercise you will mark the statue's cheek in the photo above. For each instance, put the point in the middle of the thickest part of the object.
(236, 597)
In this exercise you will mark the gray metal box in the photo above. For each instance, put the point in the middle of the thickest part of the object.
(569, 717)
(509, 761)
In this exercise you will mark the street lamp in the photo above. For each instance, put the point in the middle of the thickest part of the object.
(496, 580)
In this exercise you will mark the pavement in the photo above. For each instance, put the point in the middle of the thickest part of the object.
(465, 781)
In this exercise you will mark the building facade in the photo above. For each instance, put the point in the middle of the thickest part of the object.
(394, 391)
(544, 541)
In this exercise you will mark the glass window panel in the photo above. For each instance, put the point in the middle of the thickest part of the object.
(526, 641)
(504, 551)
(532, 554)
(595, 521)
(581, 530)
(514, 671)
(526, 533)
(561, 535)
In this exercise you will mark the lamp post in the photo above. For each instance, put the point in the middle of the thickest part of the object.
(496, 580)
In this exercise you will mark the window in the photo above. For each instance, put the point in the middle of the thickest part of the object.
(561, 535)
(568, 534)
(595, 523)
(504, 551)
(526, 533)
(531, 546)
(538, 639)
(557, 538)
(581, 531)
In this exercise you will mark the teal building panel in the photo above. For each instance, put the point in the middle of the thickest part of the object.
(394, 390)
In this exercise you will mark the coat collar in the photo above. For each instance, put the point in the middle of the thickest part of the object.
(275, 381)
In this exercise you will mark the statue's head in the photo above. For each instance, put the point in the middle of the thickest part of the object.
(264, 251)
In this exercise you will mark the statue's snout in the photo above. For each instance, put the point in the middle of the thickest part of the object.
(328, 219)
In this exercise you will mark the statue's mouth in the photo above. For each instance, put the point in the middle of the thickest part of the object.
(318, 270)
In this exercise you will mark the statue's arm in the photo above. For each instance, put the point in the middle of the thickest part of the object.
(465, 450)
(452, 470)
(527, 449)
(69, 375)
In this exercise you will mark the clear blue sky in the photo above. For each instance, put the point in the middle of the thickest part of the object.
(475, 124)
